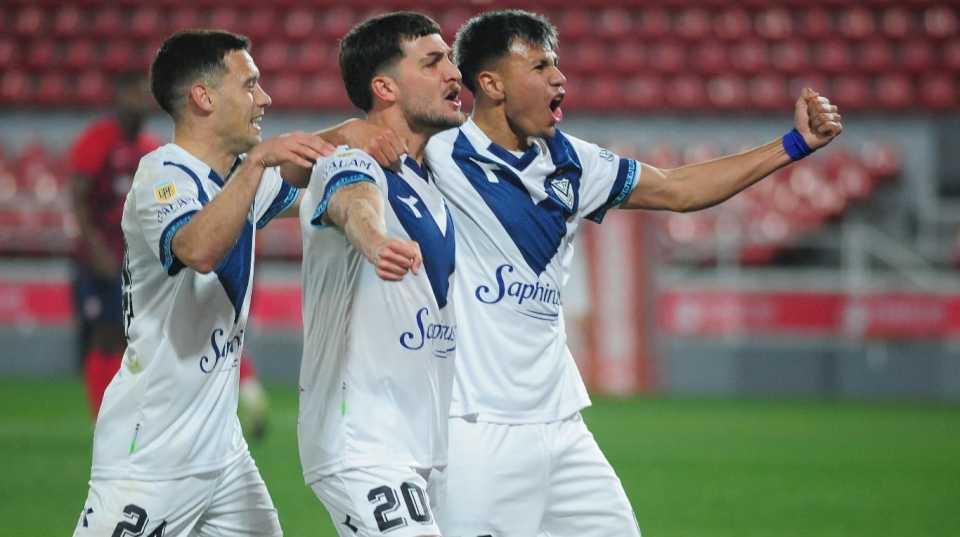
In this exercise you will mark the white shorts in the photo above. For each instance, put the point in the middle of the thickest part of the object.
(226, 503)
(535, 480)
(382, 500)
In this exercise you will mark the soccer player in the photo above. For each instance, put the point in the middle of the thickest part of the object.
(522, 462)
(169, 458)
(104, 159)
(378, 263)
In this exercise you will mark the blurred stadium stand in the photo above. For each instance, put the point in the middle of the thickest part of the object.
(834, 277)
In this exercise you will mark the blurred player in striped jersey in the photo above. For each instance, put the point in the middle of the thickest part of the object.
(378, 264)
(522, 462)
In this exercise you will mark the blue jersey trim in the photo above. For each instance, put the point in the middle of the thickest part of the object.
(281, 202)
(201, 193)
(438, 249)
(335, 183)
(167, 258)
(520, 163)
(417, 169)
(234, 271)
(622, 187)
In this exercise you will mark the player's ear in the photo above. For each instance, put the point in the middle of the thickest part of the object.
(201, 97)
(384, 88)
(490, 83)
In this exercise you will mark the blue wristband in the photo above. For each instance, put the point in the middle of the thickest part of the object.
(795, 145)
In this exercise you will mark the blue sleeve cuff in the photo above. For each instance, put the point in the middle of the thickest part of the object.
(622, 187)
(169, 261)
(337, 182)
(281, 202)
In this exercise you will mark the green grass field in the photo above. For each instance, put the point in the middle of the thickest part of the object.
(692, 468)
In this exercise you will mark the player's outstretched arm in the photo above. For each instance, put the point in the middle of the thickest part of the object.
(357, 209)
(701, 185)
(379, 142)
(204, 241)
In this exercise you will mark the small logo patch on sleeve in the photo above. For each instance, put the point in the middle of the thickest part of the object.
(165, 191)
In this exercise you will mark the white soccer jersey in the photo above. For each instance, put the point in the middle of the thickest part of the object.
(516, 218)
(377, 366)
(171, 410)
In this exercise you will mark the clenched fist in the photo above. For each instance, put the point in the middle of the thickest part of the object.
(816, 119)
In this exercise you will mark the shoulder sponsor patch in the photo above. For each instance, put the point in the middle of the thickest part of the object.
(164, 191)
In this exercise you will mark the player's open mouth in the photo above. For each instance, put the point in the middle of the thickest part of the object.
(256, 122)
(555, 107)
(453, 97)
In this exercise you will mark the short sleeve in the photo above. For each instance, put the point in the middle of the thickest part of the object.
(607, 180)
(167, 197)
(274, 196)
(343, 168)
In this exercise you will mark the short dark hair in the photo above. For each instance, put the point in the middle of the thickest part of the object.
(375, 44)
(186, 56)
(487, 37)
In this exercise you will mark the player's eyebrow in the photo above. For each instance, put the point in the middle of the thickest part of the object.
(252, 79)
(434, 57)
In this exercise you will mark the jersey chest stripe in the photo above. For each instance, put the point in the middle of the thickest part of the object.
(537, 229)
(439, 250)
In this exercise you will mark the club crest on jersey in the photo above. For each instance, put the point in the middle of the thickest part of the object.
(164, 191)
(563, 190)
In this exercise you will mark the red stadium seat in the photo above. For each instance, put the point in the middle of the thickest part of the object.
(917, 56)
(452, 19)
(693, 23)
(710, 57)
(951, 55)
(146, 22)
(643, 92)
(816, 23)
(324, 91)
(668, 57)
(654, 22)
(43, 54)
(68, 22)
(286, 90)
(628, 57)
(109, 22)
(186, 17)
(894, 91)
(317, 56)
(814, 81)
(338, 21)
(833, 56)
(897, 22)
(750, 56)
(15, 87)
(727, 92)
(260, 23)
(880, 159)
(774, 23)
(587, 57)
(875, 56)
(227, 18)
(299, 24)
(273, 56)
(52, 89)
(686, 92)
(770, 92)
(575, 24)
(613, 23)
(119, 56)
(851, 92)
(604, 93)
(940, 21)
(857, 23)
(790, 56)
(30, 22)
(8, 53)
(92, 88)
(938, 91)
(80, 54)
(732, 24)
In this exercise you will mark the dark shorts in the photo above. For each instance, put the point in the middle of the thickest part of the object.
(98, 300)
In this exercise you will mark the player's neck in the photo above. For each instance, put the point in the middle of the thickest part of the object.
(203, 146)
(393, 119)
(492, 120)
